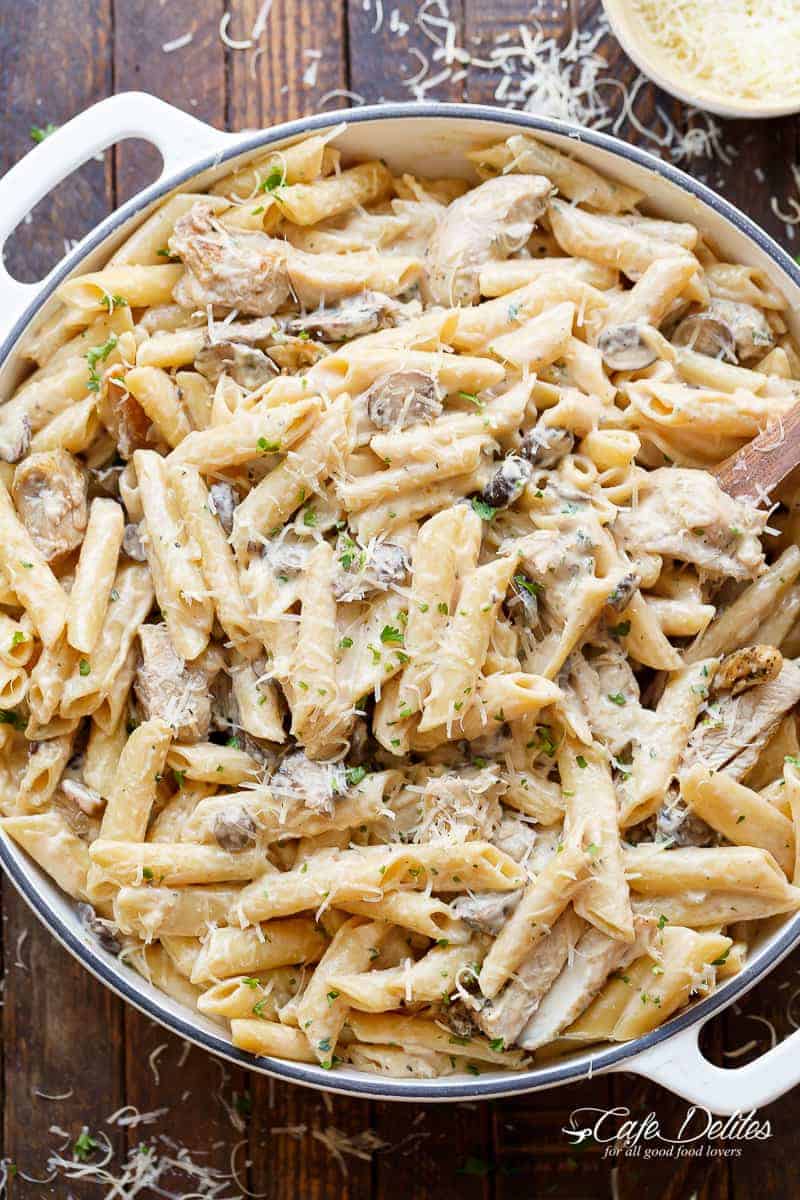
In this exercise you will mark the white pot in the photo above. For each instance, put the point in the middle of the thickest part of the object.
(431, 140)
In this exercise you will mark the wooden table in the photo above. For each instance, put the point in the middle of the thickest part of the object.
(66, 1034)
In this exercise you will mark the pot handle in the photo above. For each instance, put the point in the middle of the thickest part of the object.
(180, 138)
(679, 1065)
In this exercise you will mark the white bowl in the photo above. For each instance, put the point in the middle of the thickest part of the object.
(651, 59)
(429, 140)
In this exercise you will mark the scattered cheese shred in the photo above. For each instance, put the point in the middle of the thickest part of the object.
(177, 43)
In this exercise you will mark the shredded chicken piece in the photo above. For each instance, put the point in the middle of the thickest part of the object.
(685, 514)
(167, 687)
(485, 224)
(245, 271)
(746, 668)
(730, 735)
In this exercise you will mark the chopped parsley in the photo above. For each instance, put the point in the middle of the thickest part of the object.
(8, 717)
(115, 301)
(40, 134)
(617, 698)
(391, 636)
(528, 585)
(354, 775)
(267, 447)
(309, 518)
(621, 630)
(84, 1146)
(345, 643)
(275, 179)
(97, 355)
(485, 511)
(83, 666)
(581, 761)
(543, 740)
(179, 776)
(234, 743)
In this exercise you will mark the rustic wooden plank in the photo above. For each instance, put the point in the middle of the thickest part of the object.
(434, 1150)
(297, 60)
(483, 26)
(62, 1029)
(535, 1156)
(62, 1033)
(759, 170)
(42, 88)
(192, 77)
(383, 59)
(207, 1102)
(291, 1132)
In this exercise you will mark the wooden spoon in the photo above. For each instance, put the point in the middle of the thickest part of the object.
(765, 462)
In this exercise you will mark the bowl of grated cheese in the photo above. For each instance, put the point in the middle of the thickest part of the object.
(735, 58)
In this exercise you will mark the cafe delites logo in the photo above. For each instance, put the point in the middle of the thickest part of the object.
(699, 1134)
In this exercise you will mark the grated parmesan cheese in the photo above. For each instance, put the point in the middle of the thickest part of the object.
(747, 49)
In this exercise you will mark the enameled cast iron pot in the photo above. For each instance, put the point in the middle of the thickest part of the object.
(427, 139)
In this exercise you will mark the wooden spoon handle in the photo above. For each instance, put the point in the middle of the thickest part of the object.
(765, 462)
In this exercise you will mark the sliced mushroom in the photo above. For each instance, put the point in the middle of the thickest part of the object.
(87, 799)
(508, 482)
(545, 445)
(363, 571)
(485, 224)
(402, 398)
(222, 501)
(624, 349)
(246, 271)
(350, 318)
(286, 557)
(99, 928)
(132, 543)
(677, 824)
(50, 492)
(15, 440)
(122, 415)
(747, 668)
(521, 604)
(487, 912)
(235, 831)
(249, 333)
(458, 1019)
(312, 784)
(104, 481)
(624, 592)
(246, 365)
(706, 334)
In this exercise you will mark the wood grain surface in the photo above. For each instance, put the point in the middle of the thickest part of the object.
(66, 1036)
